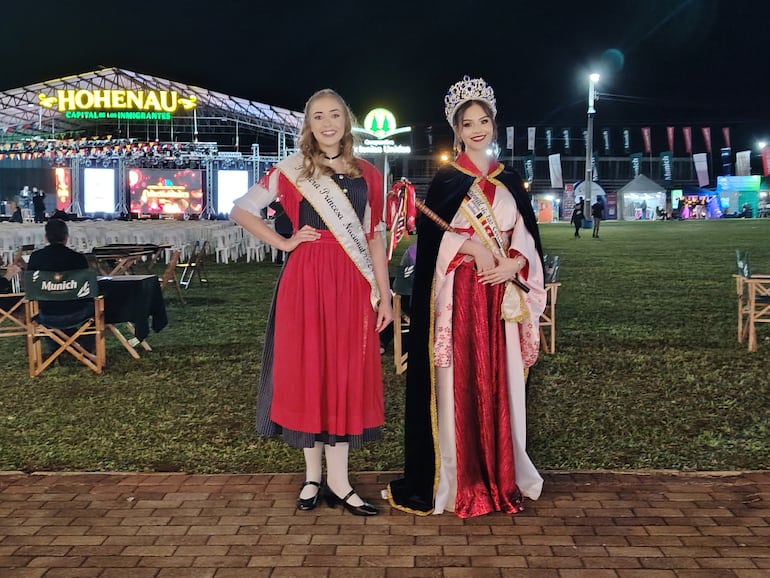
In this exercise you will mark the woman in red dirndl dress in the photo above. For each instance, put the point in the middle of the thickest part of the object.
(320, 386)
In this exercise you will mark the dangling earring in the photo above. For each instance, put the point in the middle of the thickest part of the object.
(458, 146)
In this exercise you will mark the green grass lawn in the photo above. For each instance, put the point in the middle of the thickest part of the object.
(648, 372)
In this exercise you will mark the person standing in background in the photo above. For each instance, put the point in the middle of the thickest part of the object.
(38, 204)
(577, 216)
(25, 197)
(597, 212)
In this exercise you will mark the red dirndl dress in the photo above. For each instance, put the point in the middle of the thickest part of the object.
(326, 366)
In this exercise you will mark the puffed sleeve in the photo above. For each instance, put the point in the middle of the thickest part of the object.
(261, 193)
(376, 199)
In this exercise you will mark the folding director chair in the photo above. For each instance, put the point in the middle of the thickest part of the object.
(195, 266)
(548, 317)
(753, 292)
(64, 334)
(12, 321)
(402, 294)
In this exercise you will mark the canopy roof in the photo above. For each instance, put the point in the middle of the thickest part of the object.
(21, 115)
(642, 184)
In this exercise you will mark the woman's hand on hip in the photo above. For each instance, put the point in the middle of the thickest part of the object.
(303, 235)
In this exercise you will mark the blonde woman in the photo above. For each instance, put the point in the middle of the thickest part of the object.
(321, 381)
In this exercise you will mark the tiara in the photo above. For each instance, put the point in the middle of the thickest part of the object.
(465, 90)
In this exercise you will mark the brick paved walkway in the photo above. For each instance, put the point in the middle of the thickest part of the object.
(586, 525)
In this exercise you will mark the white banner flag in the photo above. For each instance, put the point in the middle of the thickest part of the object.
(531, 138)
(509, 134)
(701, 168)
(554, 163)
(743, 163)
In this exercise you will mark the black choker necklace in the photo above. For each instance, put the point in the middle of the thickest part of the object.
(338, 155)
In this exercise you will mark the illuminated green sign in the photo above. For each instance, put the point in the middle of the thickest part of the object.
(380, 123)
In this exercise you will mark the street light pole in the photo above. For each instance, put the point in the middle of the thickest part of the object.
(592, 80)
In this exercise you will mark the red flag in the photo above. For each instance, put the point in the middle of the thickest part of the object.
(687, 132)
(401, 212)
(766, 160)
(707, 138)
(647, 140)
(670, 134)
(726, 135)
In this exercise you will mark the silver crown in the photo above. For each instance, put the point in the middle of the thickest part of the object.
(465, 90)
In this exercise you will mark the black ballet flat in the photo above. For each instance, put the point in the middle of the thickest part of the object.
(365, 509)
(310, 503)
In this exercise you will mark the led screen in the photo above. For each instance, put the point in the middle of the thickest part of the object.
(230, 186)
(53, 181)
(165, 191)
(63, 182)
(99, 190)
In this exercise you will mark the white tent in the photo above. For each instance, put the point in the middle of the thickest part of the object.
(596, 191)
(642, 184)
(638, 199)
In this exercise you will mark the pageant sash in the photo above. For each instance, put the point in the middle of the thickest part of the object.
(333, 206)
(478, 211)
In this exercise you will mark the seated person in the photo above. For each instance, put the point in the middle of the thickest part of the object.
(56, 256)
(59, 214)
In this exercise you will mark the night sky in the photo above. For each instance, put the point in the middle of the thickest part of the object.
(696, 62)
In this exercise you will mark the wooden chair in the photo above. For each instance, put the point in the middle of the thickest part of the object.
(195, 266)
(402, 287)
(12, 322)
(548, 317)
(44, 286)
(400, 328)
(753, 292)
(169, 274)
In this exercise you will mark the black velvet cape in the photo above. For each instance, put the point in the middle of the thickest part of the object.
(415, 491)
